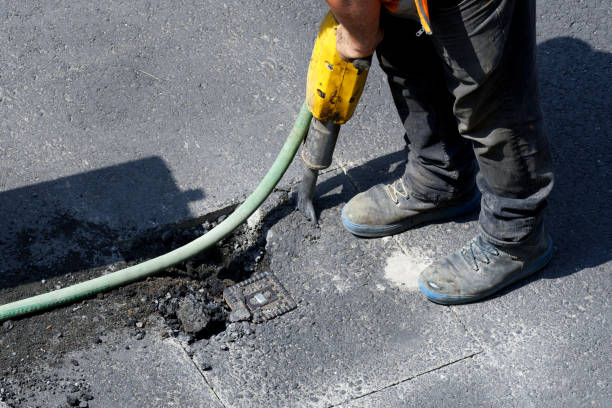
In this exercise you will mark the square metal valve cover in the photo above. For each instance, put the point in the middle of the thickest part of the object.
(261, 297)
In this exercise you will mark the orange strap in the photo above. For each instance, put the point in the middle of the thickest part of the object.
(423, 14)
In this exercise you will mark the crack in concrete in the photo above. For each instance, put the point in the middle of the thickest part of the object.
(466, 328)
(204, 378)
(408, 379)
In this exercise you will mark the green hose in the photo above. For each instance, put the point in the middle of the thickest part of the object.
(152, 266)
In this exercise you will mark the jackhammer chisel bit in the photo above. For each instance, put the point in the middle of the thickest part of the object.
(317, 153)
(306, 192)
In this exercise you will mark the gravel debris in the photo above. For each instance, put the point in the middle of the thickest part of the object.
(72, 400)
(192, 315)
(188, 297)
(86, 396)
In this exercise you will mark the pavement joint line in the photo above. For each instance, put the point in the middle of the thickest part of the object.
(204, 377)
(393, 384)
(345, 167)
(354, 184)
(466, 328)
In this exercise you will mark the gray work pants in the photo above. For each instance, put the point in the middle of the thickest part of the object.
(468, 94)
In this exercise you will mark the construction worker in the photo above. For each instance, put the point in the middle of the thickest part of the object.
(462, 75)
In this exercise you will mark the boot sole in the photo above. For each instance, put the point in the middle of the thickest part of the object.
(376, 231)
(526, 271)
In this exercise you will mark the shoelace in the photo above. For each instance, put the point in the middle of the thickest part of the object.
(478, 251)
(393, 192)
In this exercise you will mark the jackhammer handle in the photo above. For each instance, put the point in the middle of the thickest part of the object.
(362, 64)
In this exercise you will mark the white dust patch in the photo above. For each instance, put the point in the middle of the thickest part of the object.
(255, 219)
(403, 270)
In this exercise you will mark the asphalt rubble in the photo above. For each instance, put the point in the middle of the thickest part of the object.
(184, 302)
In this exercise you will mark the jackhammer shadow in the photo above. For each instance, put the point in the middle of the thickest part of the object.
(383, 169)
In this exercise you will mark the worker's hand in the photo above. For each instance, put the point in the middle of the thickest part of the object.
(359, 29)
(351, 48)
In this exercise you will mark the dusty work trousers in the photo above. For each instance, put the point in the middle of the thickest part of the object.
(467, 92)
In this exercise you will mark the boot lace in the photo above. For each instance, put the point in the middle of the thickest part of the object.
(479, 251)
(394, 192)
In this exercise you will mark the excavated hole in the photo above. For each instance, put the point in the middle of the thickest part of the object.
(189, 295)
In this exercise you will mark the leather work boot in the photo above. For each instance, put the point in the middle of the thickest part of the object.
(480, 269)
(390, 209)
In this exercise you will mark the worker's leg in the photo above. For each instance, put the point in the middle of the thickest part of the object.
(440, 164)
(489, 52)
(439, 177)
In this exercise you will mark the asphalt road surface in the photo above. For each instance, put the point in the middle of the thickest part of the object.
(119, 119)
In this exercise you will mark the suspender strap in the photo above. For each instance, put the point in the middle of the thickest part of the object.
(423, 14)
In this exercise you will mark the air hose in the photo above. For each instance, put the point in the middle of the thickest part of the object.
(152, 266)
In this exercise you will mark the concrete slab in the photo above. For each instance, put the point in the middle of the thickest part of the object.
(547, 345)
(125, 372)
(355, 330)
(546, 340)
(558, 335)
(500, 377)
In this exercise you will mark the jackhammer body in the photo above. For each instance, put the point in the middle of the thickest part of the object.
(333, 89)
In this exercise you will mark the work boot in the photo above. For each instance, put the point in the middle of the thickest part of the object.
(390, 209)
(480, 269)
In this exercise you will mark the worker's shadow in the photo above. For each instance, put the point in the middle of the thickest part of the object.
(576, 99)
(575, 93)
(78, 222)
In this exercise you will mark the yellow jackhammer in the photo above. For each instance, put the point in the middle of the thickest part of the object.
(333, 89)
